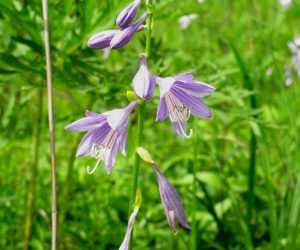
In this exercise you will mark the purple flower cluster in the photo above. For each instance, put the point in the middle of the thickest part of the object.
(180, 97)
(118, 38)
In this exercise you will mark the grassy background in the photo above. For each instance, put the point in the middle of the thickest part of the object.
(231, 45)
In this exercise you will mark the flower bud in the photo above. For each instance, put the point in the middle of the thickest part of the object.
(145, 155)
(143, 82)
(125, 35)
(171, 201)
(102, 39)
(127, 15)
(131, 221)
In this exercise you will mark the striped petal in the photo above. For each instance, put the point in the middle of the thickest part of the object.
(162, 111)
(86, 123)
(198, 108)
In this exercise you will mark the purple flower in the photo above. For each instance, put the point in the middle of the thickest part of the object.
(102, 39)
(125, 243)
(143, 82)
(105, 134)
(124, 36)
(171, 201)
(180, 97)
(127, 15)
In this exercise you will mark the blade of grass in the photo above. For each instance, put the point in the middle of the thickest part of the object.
(193, 239)
(294, 220)
(34, 172)
(253, 140)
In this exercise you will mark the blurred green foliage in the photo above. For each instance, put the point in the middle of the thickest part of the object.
(92, 209)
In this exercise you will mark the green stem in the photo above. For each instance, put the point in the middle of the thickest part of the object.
(193, 240)
(34, 171)
(67, 184)
(271, 203)
(141, 112)
(253, 140)
(149, 28)
(136, 165)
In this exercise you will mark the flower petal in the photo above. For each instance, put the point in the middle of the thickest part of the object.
(102, 39)
(123, 143)
(162, 111)
(180, 128)
(92, 114)
(143, 81)
(198, 108)
(185, 77)
(86, 123)
(110, 158)
(118, 118)
(127, 14)
(93, 136)
(197, 89)
(164, 84)
(124, 36)
(171, 201)
(131, 222)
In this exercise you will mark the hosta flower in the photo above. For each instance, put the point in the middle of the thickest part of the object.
(180, 97)
(102, 39)
(124, 36)
(185, 21)
(127, 15)
(285, 3)
(105, 134)
(143, 82)
(171, 201)
(125, 243)
(294, 47)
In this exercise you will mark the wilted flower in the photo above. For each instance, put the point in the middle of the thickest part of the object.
(123, 37)
(181, 96)
(105, 134)
(131, 221)
(127, 15)
(143, 82)
(185, 21)
(102, 39)
(171, 201)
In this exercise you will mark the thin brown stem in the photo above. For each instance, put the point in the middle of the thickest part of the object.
(51, 123)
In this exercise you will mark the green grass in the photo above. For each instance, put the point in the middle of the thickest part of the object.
(238, 179)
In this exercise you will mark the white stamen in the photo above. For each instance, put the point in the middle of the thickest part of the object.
(102, 151)
(94, 169)
(177, 111)
(184, 133)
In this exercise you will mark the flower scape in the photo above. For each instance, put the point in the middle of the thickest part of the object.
(180, 97)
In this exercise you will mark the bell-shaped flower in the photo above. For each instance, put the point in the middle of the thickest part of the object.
(180, 97)
(127, 14)
(124, 36)
(102, 39)
(131, 221)
(143, 82)
(171, 201)
(105, 134)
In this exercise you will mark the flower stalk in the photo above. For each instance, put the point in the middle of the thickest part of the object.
(141, 112)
